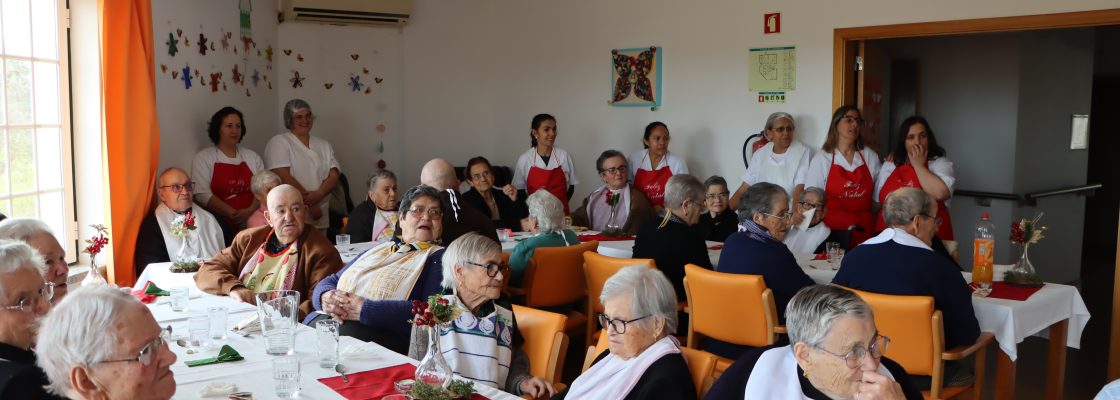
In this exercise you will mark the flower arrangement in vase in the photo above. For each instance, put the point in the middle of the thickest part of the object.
(433, 375)
(1025, 232)
(94, 246)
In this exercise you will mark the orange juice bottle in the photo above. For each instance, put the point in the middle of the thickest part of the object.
(983, 252)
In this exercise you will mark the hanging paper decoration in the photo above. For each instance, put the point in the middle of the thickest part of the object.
(256, 77)
(365, 71)
(268, 53)
(224, 89)
(225, 39)
(179, 31)
(236, 75)
(299, 57)
(355, 83)
(381, 164)
(354, 56)
(328, 85)
(187, 76)
(187, 42)
(245, 9)
(202, 80)
(172, 43)
(287, 52)
(211, 46)
(247, 94)
(636, 77)
(380, 147)
(269, 85)
(380, 128)
(163, 67)
(202, 44)
(174, 74)
(296, 80)
(377, 80)
(368, 90)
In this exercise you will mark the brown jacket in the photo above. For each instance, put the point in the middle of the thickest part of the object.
(317, 260)
(640, 211)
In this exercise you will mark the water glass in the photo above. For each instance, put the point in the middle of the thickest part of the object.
(199, 328)
(327, 332)
(218, 319)
(342, 240)
(285, 376)
(835, 254)
(179, 298)
(277, 311)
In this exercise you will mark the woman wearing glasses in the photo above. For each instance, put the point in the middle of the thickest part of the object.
(670, 239)
(373, 295)
(499, 203)
(835, 352)
(643, 360)
(652, 166)
(846, 170)
(24, 298)
(483, 342)
(917, 161)
(720, 221)
(783, 161)
(617, 207)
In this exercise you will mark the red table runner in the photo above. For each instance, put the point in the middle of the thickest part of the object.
(374, 384)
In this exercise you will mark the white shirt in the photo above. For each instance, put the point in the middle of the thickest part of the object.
(530, 158)
(807, 241)
(765, 166)
(202, 169)
(898, 236)
(308, 166)
(817, 175)
(941, 166)
(640, 160)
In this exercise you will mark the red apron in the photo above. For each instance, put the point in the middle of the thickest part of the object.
(230, 183)
(849, 200)
(652, 183)
(906, 176)
(552, 180)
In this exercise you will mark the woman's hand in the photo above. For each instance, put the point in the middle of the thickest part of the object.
(341, 305)
(877, 386)
(537, 387)
(510, 192)
(918, 155)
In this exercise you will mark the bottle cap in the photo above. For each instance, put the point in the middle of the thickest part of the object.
(984, 216)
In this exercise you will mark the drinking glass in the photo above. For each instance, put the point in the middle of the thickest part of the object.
(278, 310)
(342, 240)
(179, 298)
(327, 332)
(218, 319)
(199, 328)
(285, 375)
(835, 254)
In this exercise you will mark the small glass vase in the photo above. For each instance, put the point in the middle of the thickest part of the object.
(1024, 266)
(433, 369)
(94, 277)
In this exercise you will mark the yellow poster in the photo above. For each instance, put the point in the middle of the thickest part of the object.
(772, 69)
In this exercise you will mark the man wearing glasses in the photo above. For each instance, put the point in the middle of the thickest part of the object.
(809, 236)
(24, 298)
(616, 207)
(177, 230)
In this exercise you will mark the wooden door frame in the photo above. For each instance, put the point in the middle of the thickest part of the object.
(846, 45)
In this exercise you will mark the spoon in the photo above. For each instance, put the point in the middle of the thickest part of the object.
(341, 371)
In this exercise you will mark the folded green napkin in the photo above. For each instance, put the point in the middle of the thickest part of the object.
(152, 289)
(225, 355)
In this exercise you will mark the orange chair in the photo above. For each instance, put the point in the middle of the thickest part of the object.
(701, 364)
(917, 340)
(546, 345)
(554, 278)
(734, 308)
(597, 268)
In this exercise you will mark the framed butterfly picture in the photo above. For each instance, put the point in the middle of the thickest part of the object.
(636, 77)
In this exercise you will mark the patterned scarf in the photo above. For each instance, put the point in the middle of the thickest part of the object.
(388, 271)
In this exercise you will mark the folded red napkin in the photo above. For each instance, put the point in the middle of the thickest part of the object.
(374, 384)
(604, 238)
(715, 247)
(821, 256)
(1002, 290)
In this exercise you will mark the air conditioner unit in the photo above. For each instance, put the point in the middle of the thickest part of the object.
(365, 12)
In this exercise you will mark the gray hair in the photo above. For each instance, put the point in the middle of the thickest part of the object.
(774, 117)
(683, 187)
(547, 210)
(15, 255)
(379, 175)
(904, 204)
(811, 312)
(760, 198)
(23, 228)
(653, 295)
(606, 155)
(715, 180)
(290, 109)
(80, 330)
(814, 190)
(467, 248)
(264, 179)
(416, 192)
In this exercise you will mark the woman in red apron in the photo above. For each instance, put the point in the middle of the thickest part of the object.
(917, 161)
(849, 192)
(544, 166)
(655, 165)
(224, 173)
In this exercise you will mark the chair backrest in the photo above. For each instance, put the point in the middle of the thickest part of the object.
(593, 352)
(701, 365)
(734, 308)
(546, 345)
(597, 268)
(556, 275)
(910, 322)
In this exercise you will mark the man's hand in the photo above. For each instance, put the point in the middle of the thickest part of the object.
(243, 294)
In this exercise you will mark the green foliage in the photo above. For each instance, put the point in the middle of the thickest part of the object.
(458, 389)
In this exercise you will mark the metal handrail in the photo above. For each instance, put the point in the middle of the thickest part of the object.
(1032, 198)
(986, 195)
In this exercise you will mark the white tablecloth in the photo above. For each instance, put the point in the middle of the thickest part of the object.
(617, 248)
(351, 251)
(161, 275)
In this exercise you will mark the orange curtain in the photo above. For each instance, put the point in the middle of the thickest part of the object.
(131, 129)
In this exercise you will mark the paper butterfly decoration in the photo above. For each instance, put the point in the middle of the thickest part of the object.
(369, 90)
(256, 77)
(179, 32)
(225, 39)
(268, 53)
(174, 74)
(354, 57)
(187, 76)
(299, 57)
(365, 71)
(202, 80)
(163, 67)
(328, 85)
(296, 80)
(355, 83)
(248, 41)
(247, 94)
(172, 43)
(377, 80)
(211, 46)
(633, 73)
(202, 44)
(287, 52)
(236, 74)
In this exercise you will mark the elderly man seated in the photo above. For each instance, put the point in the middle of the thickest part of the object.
(101, 343)
(288, 254)
(900, 262)
(375, 219)
(616, 207)
(177, 230)
(26, 298)
(809, 240)
(457, 219)
(38, 235)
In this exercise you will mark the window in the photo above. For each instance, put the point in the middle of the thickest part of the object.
(36, 175)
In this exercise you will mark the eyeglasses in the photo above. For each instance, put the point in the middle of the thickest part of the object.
(808, 205)
(308, 117)
(480, 175)
(621, 169)
(492, 269)
(27, 304)
(852, 120)
(433, 213)
(854, 358)
(147, 353)
(177, 188)
(936, 220)
(784, 216)
(782, 129)
(713, 196)
(618, 325)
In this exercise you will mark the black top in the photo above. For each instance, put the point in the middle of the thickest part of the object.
(20, 378)
(511, 212)
(360, 227)
(667, 378)
(733, 383)
(671, 247)
(717, 229)
(458, 221)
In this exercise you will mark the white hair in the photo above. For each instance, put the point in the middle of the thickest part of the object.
(902, 205)
(547, 209)
(683, 187)
(811, 312)
(15, 255)
(263, 179)
(80, 331)
(653, 295)
(23, 228)
(470, 247)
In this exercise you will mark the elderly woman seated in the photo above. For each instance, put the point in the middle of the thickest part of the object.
(487, 352)
(500, 203)
(372, 296)
(835, 353)
(375, 219)
(127, 358)
(262, 183)
(720, 220)
(38, 235)
(670, 239)
(643, 360)
(546, 220)
(26, 298)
